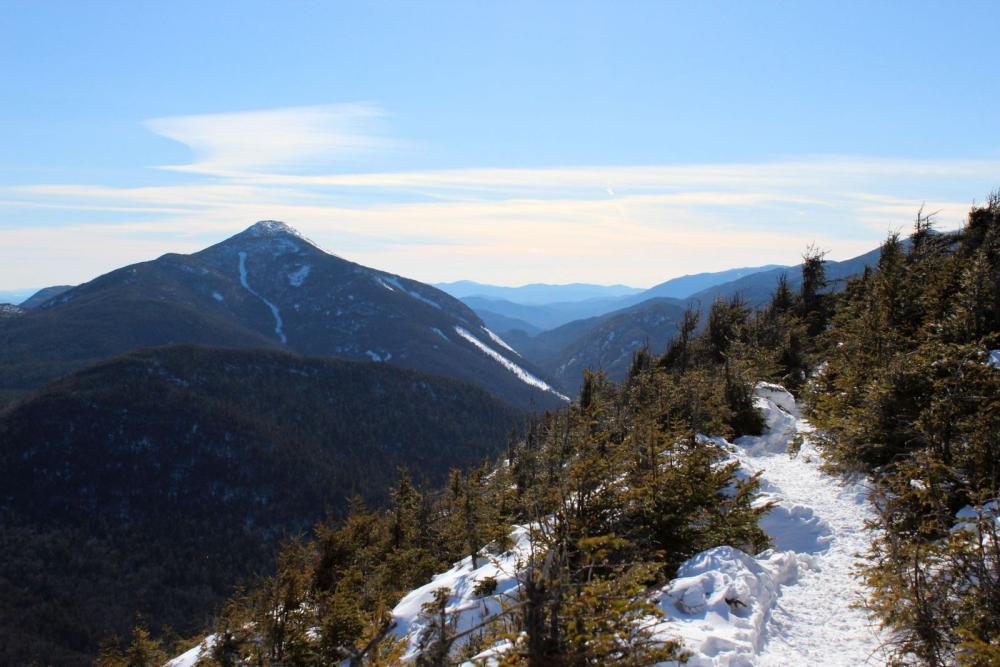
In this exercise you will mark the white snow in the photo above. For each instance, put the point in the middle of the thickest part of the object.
(278, 323)
(416, 295)
(375, 356)
(190, 658)
(384, 284)
(522, 374)
(994, 359)
(500, 341)
(795, 599)
(440, 333)
(297, 277)
(461, 580)
(217, 296)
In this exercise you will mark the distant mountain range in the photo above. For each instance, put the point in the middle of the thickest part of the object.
(156, 481)
(15, 296)
(536, 293)
(607, 341)
(508, 309)
(267, 287)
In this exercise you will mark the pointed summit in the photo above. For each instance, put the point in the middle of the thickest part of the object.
(271, 228)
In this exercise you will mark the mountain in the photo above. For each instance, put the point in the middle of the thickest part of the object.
(685, 286)
(536, 293)
(267, 287)
(43, 295)
(154, 482)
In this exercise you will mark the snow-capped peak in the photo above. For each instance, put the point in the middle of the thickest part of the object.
(272, 227)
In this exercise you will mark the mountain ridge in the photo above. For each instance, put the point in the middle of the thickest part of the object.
(267, 287)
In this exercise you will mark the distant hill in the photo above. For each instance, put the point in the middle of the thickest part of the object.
(43, 295)
(154, 482)
(536, 293)
(267, 287)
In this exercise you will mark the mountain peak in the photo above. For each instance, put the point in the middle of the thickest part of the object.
(271, 228)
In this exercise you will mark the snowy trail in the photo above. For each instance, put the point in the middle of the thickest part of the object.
(795, 601)
(812, 621)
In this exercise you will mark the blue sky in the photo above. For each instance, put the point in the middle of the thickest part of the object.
(504, 142)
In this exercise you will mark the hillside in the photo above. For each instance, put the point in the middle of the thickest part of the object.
(156, 481)
(267, 287)
(41, 296)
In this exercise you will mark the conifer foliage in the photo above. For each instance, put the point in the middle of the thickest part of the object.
(906, 396)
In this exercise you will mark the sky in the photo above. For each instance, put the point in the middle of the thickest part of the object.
(505, 142)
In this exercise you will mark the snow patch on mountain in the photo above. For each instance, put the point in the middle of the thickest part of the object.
(297, 277)
(278, 323)
(416, 295)
(500, 341)
(440, 333)
(522, 374)
(994, 359)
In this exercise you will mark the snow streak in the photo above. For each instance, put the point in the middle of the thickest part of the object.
(278, 323)
(522, 374)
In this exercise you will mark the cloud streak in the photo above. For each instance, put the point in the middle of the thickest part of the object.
(248, 142)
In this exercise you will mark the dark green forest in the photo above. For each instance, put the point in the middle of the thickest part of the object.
(154, 483)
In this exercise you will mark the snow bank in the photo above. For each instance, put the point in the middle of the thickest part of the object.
(778, 408)
(720, 603)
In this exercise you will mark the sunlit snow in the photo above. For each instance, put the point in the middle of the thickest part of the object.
(522, 374)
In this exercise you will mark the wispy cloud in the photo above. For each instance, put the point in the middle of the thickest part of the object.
(230, 144)
(634, 224)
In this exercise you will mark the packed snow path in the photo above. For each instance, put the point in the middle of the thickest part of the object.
(813, 621)
(799, 596)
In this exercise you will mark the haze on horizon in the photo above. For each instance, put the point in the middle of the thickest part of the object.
(448, 141)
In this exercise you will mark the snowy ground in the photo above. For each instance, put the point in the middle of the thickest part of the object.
(791, 605)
